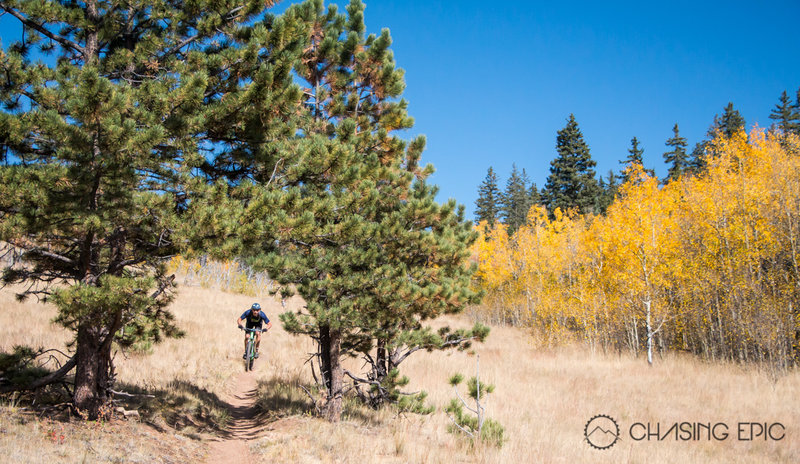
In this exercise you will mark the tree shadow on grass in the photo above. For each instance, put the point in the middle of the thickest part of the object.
(282, 397)
(181, 406)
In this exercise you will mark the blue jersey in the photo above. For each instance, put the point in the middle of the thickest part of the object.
(254, 319)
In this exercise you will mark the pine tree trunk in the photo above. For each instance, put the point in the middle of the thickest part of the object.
(381, 360)
(330, 341)
(92, 371)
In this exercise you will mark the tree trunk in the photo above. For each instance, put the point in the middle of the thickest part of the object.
(92, 372)
(649, 334)
(330, 341)
(381, 360)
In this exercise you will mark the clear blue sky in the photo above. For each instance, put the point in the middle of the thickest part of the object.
(490, 83)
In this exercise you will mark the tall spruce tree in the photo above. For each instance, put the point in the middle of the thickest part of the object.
(796, 111)
(534, 196)
(727, 124)
(608, 189)
(786, 115)
(487, 206)
(516, 200)
(677, 158)
(345, 216)
(635, 155)
(572, 182)
(101, 140)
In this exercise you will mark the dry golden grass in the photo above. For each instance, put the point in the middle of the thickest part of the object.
(543, 397)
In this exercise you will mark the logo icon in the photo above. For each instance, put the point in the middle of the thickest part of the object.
(601, 432)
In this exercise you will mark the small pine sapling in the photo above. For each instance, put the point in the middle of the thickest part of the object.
(477, 427)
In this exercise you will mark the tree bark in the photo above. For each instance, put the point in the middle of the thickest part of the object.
(92, 371)
(330, 348)
(381, 360)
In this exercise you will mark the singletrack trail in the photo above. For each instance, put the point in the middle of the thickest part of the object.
(244, 423)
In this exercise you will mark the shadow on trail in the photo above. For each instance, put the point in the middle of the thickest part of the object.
(181, 405)
(279, 397)
(244, 412)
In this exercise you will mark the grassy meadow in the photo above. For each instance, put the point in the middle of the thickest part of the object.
(543, 398)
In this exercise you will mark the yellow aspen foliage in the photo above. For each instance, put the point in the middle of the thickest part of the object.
(707, 263)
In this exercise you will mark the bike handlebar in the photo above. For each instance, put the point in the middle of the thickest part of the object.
(252, 330)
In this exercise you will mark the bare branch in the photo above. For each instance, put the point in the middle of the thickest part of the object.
(130, 395)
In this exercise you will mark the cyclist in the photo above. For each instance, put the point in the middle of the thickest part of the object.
(255, 317)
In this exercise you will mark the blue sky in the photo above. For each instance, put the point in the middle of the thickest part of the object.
(490, 83)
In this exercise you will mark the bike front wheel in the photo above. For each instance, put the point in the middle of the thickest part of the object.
(248, 359)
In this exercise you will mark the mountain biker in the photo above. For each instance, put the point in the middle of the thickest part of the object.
(255, 317)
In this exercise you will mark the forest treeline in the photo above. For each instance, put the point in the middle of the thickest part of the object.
(706, 262)
(574, 183)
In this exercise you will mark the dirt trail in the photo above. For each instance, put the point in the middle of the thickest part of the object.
(244, 423)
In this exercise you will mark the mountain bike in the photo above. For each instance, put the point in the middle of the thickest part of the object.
(250, 352)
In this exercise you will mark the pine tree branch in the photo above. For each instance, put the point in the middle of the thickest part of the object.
(46, 380)
(396, 361)
(50, 254)
(42, 30)
(471, 435)
(464, 402)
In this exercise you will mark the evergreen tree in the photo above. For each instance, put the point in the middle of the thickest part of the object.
(487, 206)
(609, 190)
(346, 218)
(534, 196)
(572, 182)
(729, 123)
(677, 158)
(516, 200)
(102, 140)
(635, 154)
(796, 111)
(786, 115)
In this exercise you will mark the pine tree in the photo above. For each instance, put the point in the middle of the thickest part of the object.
(677, 158)
(786, 115)
(346, 218)
(609, 190)
(516, 200)
(101, 141)
(487, 206)
(635, 155)
(796, 112)
(534, 196)
(728, 124)
(572, 182)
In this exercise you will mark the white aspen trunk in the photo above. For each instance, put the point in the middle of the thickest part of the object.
(649, 334)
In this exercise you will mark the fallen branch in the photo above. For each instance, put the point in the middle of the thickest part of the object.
(131, 395)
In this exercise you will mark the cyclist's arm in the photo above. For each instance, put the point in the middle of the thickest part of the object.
(239, 322)
(269, 326)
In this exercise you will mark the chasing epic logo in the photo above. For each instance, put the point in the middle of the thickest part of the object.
(603, 432)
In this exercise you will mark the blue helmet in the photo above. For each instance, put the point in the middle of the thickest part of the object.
(256, 307)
